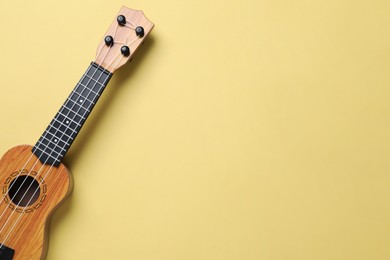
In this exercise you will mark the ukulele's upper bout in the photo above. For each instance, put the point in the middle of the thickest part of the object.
(123, 38)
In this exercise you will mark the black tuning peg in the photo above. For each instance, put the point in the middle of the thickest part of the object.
(121, 20)
(109, 41)
(125, 51)
(139, 31)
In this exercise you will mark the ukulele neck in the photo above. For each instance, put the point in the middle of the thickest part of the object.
(122, 39)
(67, 123)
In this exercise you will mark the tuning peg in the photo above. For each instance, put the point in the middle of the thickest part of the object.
(125, 51)
(139, 31)
(121, 20)
(109, 41)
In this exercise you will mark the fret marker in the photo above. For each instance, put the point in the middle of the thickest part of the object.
(55, 140)
(81, 101)
(67, 122)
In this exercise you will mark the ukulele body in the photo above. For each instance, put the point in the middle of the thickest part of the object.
(24, 221)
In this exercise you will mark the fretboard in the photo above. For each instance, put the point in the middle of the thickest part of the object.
(63, 129)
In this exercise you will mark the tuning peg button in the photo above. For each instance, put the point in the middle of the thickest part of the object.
(121, 20)
(109, 41)
(139, 31)
(125, 51)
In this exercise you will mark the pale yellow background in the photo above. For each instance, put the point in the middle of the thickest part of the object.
(250, 129)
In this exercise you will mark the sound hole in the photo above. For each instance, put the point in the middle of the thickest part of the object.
(21, 193)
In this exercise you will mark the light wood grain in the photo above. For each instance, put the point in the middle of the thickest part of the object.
(29, 236)
(111, 58)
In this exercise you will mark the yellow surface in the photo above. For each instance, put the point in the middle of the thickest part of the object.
(242, 130)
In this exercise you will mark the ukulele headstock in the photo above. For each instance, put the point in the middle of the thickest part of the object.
(122, 39)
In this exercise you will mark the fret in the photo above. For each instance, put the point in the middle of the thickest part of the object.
(56, 146)
(62, 125)
(99, 77)
(94, 90)
(85, 89)
(76, 107)
(67, 123)
(46, 144)
(67, 132)
(68, 118)
(54, 124)
(97, 82)
(85, 82)
(72, 114)
(93, 98)
(47, 154)
(85, 92)
(56, 140)
(81, 101)
(59, 137)
(60, 146)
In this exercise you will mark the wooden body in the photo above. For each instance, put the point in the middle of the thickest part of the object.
(30, 224)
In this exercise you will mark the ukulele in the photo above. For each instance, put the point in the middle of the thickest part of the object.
(33, 179)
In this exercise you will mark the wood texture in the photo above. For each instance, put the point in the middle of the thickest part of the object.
(111, 58)
(28, 235)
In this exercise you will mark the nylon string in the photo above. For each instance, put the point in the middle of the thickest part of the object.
(28, 189)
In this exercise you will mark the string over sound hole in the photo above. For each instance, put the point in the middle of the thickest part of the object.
(24, 191)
